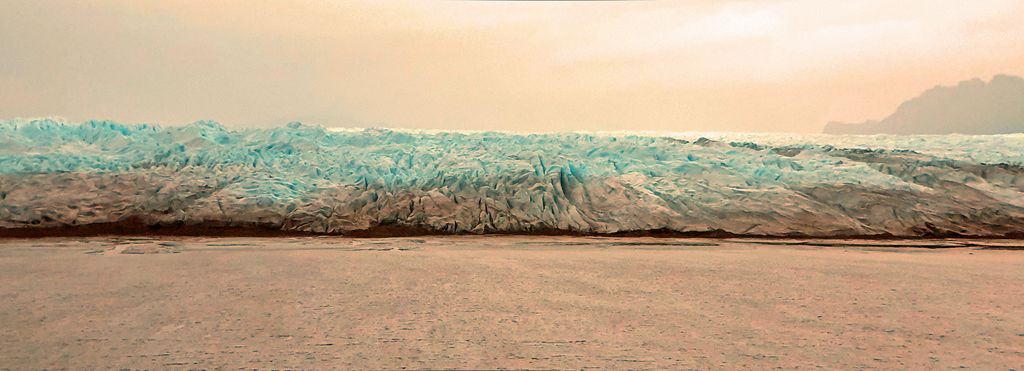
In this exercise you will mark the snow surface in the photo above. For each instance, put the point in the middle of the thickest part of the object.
(306, 178)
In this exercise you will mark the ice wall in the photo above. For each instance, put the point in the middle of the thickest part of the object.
(304, 178)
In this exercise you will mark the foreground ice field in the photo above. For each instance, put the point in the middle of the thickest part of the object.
(126, 178)
(513, 302)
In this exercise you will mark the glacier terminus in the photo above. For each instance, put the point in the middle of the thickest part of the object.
(308, 179)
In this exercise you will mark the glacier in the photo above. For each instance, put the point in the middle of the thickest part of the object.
(57, 176)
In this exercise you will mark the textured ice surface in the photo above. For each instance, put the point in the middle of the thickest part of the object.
(303, 178)
(991, 149)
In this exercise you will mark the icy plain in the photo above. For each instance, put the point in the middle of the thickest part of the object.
(509, 302)
(303, 178)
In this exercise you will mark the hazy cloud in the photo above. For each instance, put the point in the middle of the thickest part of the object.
(528, 66)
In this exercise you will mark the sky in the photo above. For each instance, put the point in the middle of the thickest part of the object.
(750, 66)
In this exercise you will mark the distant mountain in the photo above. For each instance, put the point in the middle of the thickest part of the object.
(970, 107)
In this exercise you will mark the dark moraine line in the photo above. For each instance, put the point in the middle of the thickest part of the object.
(135, 227)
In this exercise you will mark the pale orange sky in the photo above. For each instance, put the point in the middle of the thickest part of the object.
(519, 66)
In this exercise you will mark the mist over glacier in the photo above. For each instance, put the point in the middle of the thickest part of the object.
(301, 178)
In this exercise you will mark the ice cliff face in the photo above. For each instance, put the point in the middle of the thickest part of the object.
(302, 178)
